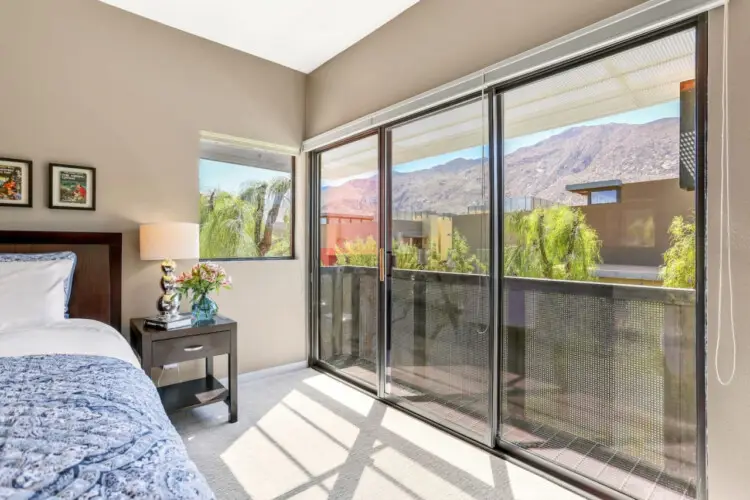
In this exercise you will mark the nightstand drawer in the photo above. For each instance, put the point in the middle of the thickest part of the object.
(181, 349)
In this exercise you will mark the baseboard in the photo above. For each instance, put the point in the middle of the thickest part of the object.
(269, 372)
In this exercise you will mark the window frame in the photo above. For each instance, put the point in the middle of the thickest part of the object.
(698, 22)
(292, 218)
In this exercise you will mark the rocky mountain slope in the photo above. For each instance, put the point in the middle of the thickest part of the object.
(631, 153)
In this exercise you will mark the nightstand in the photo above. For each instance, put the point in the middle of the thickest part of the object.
(157, 348)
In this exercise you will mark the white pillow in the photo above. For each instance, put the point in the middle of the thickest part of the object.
(32, 294)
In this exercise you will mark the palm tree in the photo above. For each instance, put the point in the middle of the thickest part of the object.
(240, 226)
(258, 194)
(225, 220)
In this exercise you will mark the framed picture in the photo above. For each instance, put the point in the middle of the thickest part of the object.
(15, 183)
(72, 187)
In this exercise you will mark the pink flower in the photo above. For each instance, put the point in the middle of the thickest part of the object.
(204, 277)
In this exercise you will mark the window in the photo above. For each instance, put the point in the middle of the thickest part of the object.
(246, 203)
(604, 197)
(597, 192)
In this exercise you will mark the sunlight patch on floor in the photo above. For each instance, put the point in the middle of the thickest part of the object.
(342, 393)
(261, 467)
(375, 486)
(302, 442)
(414, 477)
(297, 441)
(526, 485)
(326, 420)
(312, 493)
(462, 455)
(330, 481)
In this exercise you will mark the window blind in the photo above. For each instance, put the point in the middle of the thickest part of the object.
(649, 16)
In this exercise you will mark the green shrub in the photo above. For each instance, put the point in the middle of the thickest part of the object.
(679, 260)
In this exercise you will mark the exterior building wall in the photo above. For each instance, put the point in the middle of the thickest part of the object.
(635, 231)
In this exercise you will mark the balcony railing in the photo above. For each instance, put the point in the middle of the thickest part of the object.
(603, 372)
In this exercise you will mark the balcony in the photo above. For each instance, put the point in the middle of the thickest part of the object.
(598, 378)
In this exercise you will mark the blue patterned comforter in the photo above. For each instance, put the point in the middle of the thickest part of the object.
(84, 427)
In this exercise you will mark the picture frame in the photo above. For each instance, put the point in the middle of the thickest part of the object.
(72, 187)
(16, 183)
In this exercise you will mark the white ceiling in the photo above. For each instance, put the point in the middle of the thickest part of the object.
(299, 34)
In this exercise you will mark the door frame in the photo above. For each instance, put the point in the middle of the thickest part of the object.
(494, 94)
(313, 262)
(700, 24)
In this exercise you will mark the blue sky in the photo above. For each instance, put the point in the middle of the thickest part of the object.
(669, 109)
(230, 177)
(638, 117)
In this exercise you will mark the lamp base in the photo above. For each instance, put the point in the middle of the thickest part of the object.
(169, 302)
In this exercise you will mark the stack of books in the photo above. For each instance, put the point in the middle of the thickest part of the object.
(169, 322)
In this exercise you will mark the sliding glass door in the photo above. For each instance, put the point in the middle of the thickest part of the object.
(598, 291)
(438, 322)
(526, 268)
(349, 243)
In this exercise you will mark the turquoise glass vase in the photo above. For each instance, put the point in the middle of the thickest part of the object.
(204, 309)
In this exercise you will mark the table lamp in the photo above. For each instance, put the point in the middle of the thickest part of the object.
(166, 241)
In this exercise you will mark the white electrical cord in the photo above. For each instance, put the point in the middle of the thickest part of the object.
(725, 193)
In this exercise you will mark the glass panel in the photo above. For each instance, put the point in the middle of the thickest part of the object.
(439, 337)
(349, 214)
(602, 197)
(245, 203)
(599, 375)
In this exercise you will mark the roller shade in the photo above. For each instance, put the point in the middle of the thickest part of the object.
(649, 16)
(229, 149)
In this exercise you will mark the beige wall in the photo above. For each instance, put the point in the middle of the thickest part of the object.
(729, 407)
(86, 83)
(433, 43)
(645, 212)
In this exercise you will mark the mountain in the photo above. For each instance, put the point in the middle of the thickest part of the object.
(631, 153)
(357, 197)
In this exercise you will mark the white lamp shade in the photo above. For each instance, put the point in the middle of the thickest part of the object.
(170, 240)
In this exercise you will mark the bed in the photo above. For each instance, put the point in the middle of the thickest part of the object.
(78, 418)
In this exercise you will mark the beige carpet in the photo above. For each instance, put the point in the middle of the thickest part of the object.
(304, 435)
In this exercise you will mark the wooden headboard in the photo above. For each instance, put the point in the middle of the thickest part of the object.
(97, 282)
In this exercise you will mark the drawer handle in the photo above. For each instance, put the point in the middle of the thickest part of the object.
(193, 348)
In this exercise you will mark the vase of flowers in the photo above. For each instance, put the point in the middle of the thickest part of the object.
(203, 279)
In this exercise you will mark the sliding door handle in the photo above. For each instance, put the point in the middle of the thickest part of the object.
(381, 263)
